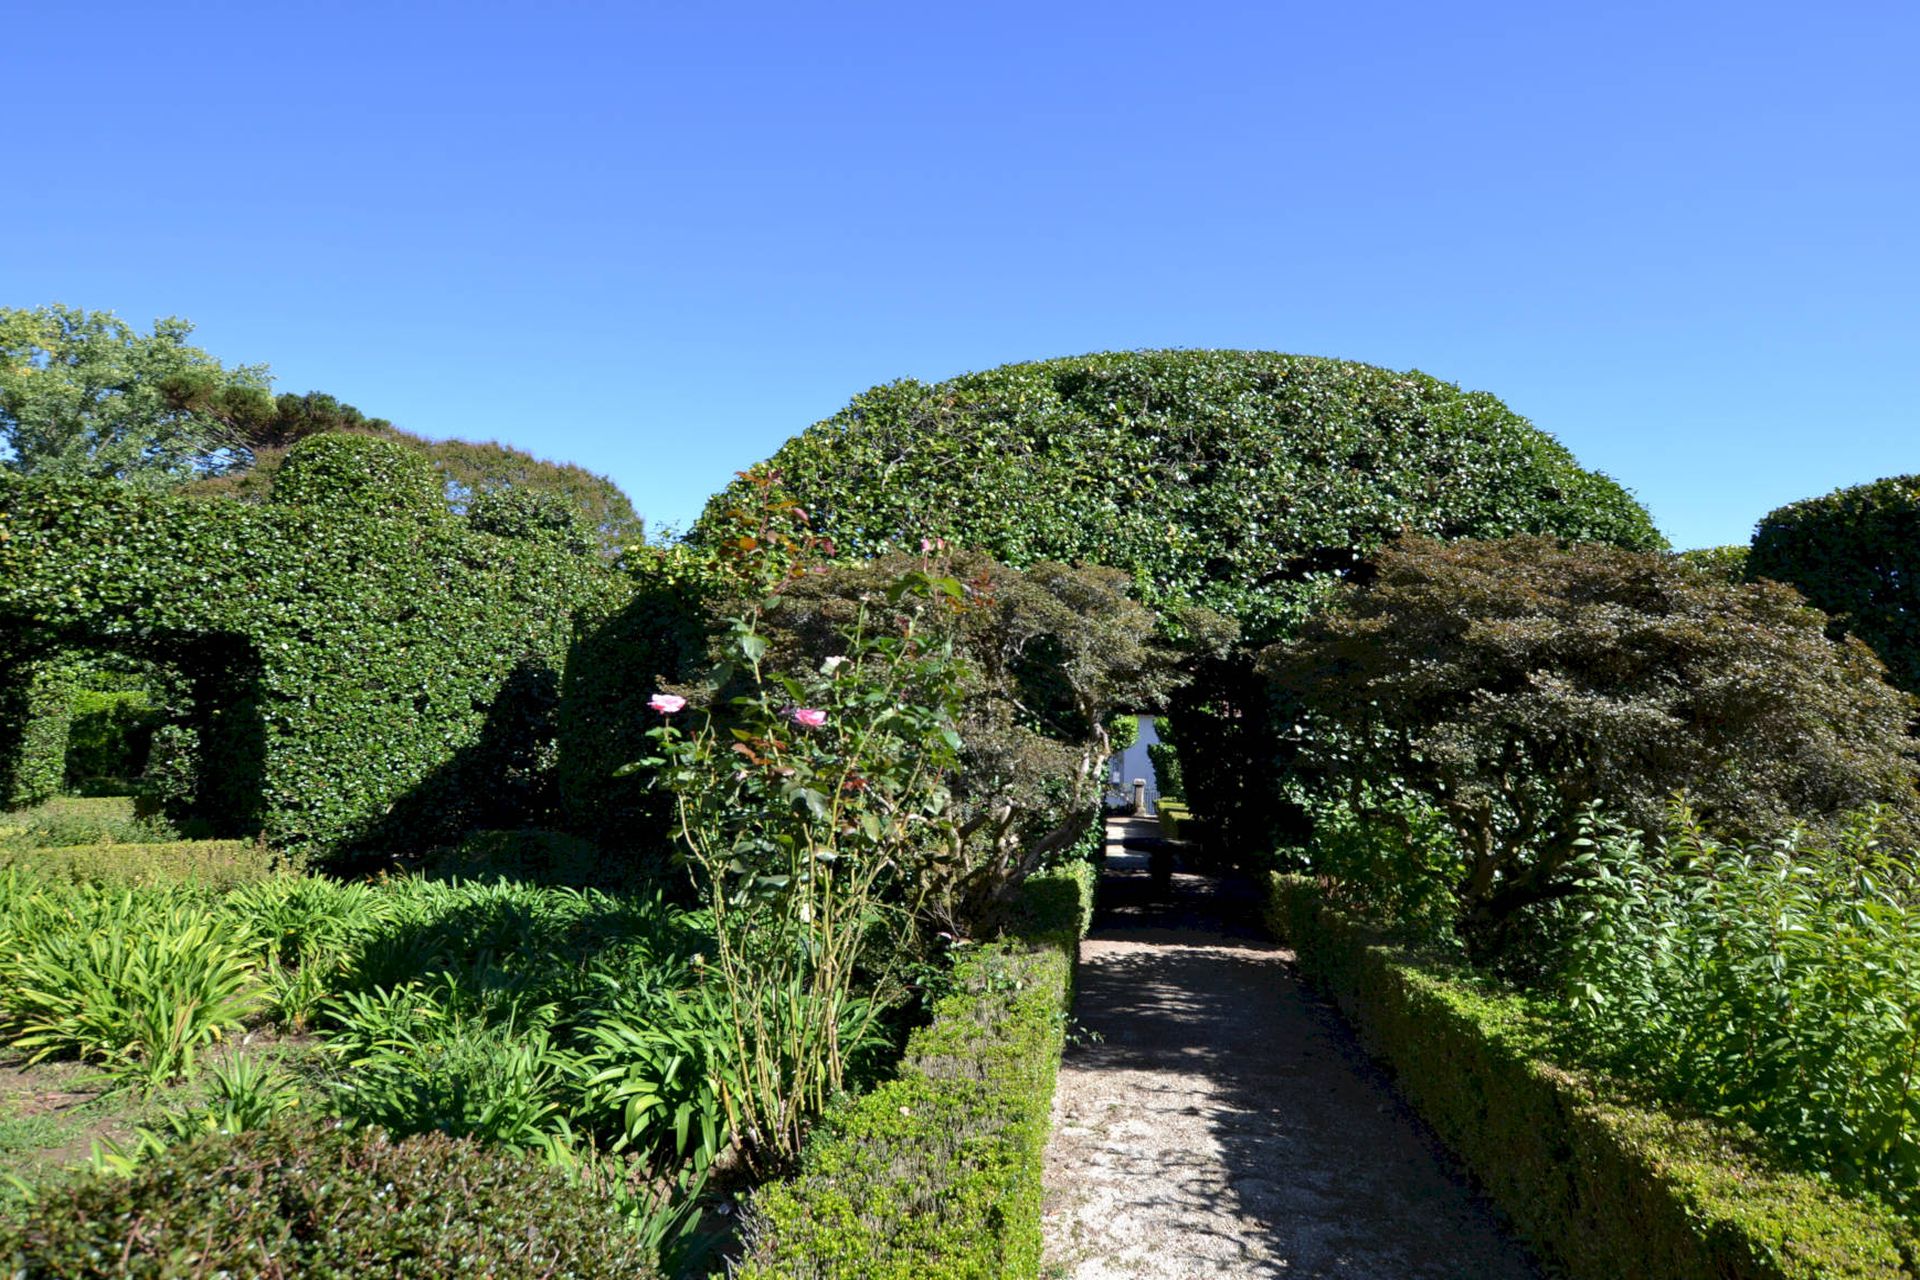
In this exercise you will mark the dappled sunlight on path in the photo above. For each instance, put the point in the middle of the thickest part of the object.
(1214, 1119)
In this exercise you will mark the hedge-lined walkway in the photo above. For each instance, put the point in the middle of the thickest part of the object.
(1214, 1119)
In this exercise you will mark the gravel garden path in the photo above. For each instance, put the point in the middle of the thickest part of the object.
(1216, 1119)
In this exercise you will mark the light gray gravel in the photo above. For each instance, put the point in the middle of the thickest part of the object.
(1215, 1119)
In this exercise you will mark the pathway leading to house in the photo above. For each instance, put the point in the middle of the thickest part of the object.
(1214, 1118)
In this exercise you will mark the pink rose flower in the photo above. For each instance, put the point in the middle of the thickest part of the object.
(811, 717)
(666, 703)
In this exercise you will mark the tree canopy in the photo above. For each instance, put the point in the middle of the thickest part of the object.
(83, 395)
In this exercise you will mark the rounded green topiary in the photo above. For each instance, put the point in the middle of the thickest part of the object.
(317, 1199)
(1855, 554)
(360, 474)
(1234, 479)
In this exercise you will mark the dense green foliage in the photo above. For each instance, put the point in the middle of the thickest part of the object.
(322, 1200)
(1776, 987)
(1855, 554)
(217, 864)
(1046, 656)
(108, 739)
(36, 712)
(1604, 1186)
(1244, 482)
(365, 667)
(1164, 755)
(578, 1025)
(1232, 479)
(83, 395)
(1729, 563)
(935, 1175)
(1513, 685)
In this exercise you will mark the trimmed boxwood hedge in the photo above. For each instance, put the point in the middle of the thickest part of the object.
(321, 1201)
(936, 1175)
(1855, 554)
(218, 864)
(365, 665)
(1609, 1188)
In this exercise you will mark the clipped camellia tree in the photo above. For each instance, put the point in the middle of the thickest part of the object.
(1856, 554)
(1238, 483)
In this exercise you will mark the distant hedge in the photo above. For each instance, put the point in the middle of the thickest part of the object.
(217, 864)
(1856, 555)
(365, 665)
(1232, 479)
(936, 1175)
(1610, 1189)
(321, 1201)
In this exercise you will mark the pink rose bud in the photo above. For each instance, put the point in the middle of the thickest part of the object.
(812, 717)
(666, 703)
(926, 545)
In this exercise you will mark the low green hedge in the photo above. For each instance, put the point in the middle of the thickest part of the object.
(318, 1200)
(1609, 1188)
(936, 1175)
(219, 864)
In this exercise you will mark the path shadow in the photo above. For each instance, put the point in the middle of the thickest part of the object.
(1327, 1172)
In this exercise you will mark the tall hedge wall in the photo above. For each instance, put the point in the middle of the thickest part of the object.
(1856, 555)
(365, 665)
(1226, 478)
(36, 698)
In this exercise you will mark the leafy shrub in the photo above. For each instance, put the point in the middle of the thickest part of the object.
(36, 703)
(1605, 1186)
(533, 856)
(937, 1173)
(73, 821)
(217, 864)
(1514, 684)
(373, 668)
(1164, 756)
(1727, 563)
(140, 982)
(1855, 554)
(1776, 987)
(109, 736)
(318, 1199)
(1045, 656)
(532, 515)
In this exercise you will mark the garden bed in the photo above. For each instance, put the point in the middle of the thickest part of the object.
(1607, 1187)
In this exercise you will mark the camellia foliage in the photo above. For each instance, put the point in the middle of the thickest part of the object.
(1856, 554)
(364, 665)
(1233, 479)
(1233, 486)
(1515, 684)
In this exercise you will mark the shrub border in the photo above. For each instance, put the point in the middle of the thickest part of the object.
(936, 1175)
(1608, 1188)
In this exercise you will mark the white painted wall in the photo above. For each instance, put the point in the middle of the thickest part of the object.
(1133, 763)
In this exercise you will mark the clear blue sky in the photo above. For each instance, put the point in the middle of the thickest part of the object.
(658, 239)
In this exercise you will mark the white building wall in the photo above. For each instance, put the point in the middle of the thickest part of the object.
(1133, 763)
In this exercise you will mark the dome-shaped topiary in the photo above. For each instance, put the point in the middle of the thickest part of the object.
(1856, 554)
(1235, 479)
(363, 475)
